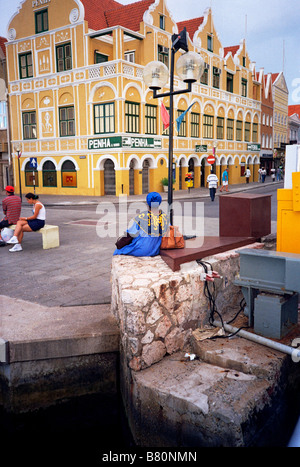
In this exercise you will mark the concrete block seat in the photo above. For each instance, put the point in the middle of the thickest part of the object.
(50, 235)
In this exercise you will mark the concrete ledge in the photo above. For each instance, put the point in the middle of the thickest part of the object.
(34, 332)
(54, 354)
(200, 248)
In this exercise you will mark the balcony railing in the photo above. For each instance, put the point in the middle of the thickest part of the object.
(133, 71)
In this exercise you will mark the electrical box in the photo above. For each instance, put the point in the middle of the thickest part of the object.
(269, 281)
(275, 315)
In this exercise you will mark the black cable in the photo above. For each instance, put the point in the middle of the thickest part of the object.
(242, 307)
(213, 309)
(210, 295)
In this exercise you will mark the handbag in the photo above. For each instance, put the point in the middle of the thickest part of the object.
(126, 239)
(6, 234)
(173, 239)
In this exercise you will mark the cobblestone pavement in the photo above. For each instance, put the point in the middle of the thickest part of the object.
(78, 272)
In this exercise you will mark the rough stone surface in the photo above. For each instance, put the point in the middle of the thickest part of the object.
(236, 395)
(158, 309)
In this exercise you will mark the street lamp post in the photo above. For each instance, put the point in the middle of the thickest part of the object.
(189, 68)
(18, 149)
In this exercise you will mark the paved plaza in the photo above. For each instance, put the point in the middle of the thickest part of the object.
(78, 272)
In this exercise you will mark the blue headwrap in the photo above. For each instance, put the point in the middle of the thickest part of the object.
(153, 199)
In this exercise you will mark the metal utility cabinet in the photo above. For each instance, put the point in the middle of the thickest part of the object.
(270, 285)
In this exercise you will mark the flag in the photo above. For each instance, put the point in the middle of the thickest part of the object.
(181, 117)
(165, 116)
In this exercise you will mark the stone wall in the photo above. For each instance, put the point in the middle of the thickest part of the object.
(158, 309)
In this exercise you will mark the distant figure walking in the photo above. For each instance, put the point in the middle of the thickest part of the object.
(212, 181)
(29, 224)
(263, 175)
(224, 181)
(247, 175)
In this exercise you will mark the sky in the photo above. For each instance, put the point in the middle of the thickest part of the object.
(270, 27)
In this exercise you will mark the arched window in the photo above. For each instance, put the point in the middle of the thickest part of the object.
(68, 175)
(49, 174)
(31, 176)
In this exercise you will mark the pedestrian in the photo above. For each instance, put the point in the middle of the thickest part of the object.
(278, 174)
(146, 230)
(263, 175)
(212, 182)
(29, 224)
(11, 206)
(224, 181)
(273, 175)
(247, 175)
(259, 175)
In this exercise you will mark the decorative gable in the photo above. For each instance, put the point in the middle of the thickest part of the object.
(280, 82)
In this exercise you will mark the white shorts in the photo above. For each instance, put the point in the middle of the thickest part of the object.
(224, 183)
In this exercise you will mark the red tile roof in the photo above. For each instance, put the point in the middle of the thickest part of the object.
(108, 13)
(129, 16)
(233, 49)
(294, 109)
(191, 25)
(95, 12)
(2, 44)
(274, 77)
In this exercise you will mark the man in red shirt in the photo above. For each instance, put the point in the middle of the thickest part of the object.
(11, 206)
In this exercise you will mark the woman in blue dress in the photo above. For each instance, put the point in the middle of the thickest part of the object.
(146, 230)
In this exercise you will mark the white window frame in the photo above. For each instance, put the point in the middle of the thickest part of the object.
(129, 56)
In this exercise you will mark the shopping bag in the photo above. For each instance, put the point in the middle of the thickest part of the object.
(6, 234)
(173, 239)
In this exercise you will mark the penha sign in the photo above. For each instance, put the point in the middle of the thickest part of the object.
(114, 142)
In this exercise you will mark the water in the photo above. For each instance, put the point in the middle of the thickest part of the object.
(86, 426)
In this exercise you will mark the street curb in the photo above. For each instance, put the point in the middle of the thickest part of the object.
(177, 197)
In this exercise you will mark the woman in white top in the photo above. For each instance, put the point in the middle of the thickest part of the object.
(29, 224)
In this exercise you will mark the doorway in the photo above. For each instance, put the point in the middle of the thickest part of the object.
(131, 178)
(109, 178)
(145, 176)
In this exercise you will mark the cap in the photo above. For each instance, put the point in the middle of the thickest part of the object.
(153, 199)
(10, 189)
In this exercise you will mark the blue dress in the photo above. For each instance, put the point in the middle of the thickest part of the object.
(147, 230)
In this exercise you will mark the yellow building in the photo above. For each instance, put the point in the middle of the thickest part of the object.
(281, 119)
(82, 112)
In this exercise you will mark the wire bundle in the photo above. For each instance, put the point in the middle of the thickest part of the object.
(211, 296)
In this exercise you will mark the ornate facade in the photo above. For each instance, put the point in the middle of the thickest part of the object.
(281, 121)
(82, 112)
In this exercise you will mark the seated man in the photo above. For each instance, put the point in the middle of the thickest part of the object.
(11, 206)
